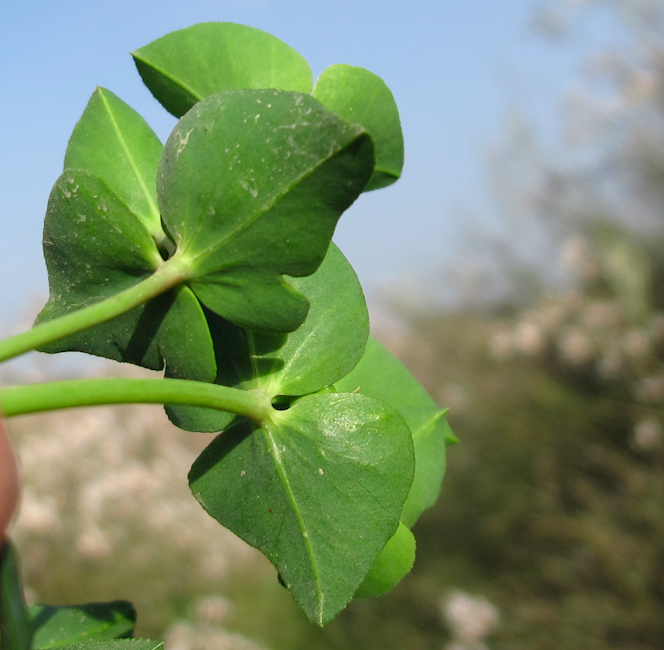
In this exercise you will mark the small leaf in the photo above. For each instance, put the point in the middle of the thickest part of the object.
(191, 64)
(382, 376)
(113, 142)
(394, 563)
(360, 97)
(117, 644)
(251, 185)
(56, 627)
(318, 489)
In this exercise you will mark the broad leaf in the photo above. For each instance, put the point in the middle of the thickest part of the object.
(381, 375)
(318, 489)
(360, 97)
(323, 349)
(95, 247)
(113, 142)
(251, 185)
(391, 566)
(191, 64)
(118, 644)
(55, 627)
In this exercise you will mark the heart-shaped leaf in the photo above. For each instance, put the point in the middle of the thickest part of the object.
(251, 185)
(191, 64)
(113, 142)
(360, 97)
(323, 349)
(318, 489)
(55, 627)
(380, 375)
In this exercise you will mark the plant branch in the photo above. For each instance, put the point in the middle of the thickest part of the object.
(15, 629)
(34, 398)
(170, 274)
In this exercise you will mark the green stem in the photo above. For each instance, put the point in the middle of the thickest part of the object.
(170, 274)
(15, 628)
(34, 398)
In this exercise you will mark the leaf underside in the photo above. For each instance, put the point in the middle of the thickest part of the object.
(318, 490)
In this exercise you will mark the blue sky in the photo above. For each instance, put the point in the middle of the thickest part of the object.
(454, 68)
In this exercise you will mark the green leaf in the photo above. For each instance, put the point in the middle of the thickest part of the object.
(95, 247)
(113, 142)
(55, 627)
(251, 185)
(382, 376)
(394, 562)
(15, 628)
(323, 349)
(191, 64)
(360, 97)
(117, 644)
(318, 489)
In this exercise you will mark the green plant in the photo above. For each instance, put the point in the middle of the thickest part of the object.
(210, 257)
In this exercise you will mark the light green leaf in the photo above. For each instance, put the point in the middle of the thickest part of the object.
(55, 627)
(113, 142)
(381, 375)
(318, 489)
(191, 64)
(360, 97)
(251, 185)
(394, 563)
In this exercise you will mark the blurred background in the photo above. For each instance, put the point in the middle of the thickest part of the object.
(517, 270)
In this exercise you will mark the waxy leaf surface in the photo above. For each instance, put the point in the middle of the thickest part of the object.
(318, 489)
(360, 97)
(55, 627)
(381, 375)
(113, 142)
(323, 349)
(191, 64)
(251, 185)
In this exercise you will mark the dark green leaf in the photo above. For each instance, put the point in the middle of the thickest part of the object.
(318, 489)
(113, 142)
(380, 375)
(394, 562)
(15, 628)
(55, 627)
(191, 64)
(117, 644)
(94, 248)
(251, 185)
(360, 97)
(325, 348)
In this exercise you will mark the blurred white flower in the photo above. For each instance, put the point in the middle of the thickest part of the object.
(575, 346)
(470, 619)
(647, 434)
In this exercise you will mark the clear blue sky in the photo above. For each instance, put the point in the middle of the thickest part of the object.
(454, 68)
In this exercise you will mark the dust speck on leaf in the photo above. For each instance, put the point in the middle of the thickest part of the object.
(320, 471)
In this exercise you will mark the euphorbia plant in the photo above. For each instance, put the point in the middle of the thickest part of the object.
(210, 257)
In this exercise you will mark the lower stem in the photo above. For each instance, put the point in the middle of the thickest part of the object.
(165, 277)
(34, 398)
